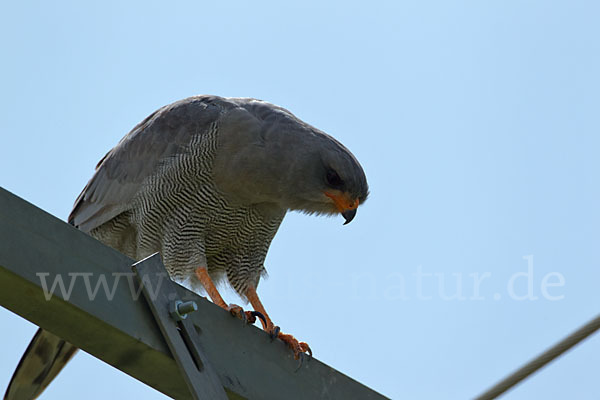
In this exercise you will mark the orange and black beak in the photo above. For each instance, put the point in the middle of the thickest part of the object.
(345, 204)
(349, 215)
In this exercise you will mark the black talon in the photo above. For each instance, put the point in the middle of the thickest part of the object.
(274, 333)
(259, 315)
(239, 313)
(309, 351)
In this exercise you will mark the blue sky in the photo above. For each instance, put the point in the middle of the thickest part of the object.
(476, 123)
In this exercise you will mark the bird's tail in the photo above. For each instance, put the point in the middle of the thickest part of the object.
(44, 358)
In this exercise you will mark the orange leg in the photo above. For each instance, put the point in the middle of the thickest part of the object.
(216, 298)
(252, 297)
(296, 346)
(210, 287)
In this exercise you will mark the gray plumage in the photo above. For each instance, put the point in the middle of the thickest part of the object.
(207, 181)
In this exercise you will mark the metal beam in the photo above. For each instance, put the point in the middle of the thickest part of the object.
(179, 333)
(119, 328)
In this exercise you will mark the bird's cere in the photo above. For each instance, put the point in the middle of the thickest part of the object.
(344, 204)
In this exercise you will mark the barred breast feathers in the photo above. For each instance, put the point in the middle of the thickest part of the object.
(176, 208)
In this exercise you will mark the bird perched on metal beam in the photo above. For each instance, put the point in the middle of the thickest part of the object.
(205, 181)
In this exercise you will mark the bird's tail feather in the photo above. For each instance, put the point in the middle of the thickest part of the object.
(44, 358)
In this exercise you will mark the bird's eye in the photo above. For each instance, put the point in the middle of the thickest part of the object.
(333, 179)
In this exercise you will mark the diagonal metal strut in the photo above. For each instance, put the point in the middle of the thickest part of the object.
(179, 332)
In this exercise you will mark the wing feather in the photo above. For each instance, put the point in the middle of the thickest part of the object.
(122, 171)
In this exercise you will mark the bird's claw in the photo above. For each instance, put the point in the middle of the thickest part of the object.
(259, 315)
(301, 358)
(306, 354)
(274, 332)
(301, 349)
(306, 349)
(249, 317)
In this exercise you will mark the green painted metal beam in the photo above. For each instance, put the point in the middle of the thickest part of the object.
(118, 327)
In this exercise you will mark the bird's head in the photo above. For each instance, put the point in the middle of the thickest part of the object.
(267, 155)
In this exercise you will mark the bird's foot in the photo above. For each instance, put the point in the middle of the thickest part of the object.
(300, 349)
(249, 317)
